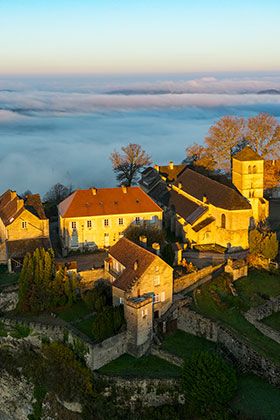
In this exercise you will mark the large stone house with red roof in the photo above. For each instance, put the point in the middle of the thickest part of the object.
(23, 226)
(98, 217)
(206, 211)
(143, 283)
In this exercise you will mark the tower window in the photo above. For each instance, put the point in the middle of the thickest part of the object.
(254, 169)
(249, 169)
(223, 221)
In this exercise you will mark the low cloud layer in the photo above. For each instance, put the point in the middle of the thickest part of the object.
(64, 130)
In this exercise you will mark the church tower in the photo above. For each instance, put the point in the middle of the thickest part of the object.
(248, 177)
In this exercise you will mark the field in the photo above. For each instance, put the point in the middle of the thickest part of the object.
(216, 301)
(273, 321)
(144, 367)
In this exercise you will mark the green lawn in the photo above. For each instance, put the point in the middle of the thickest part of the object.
(184, 345)
(72, 313)
(85, 326)
(256, 399)
(7, 279)
(145, 367)
(215, 300)
(258, 287)
(273, 321)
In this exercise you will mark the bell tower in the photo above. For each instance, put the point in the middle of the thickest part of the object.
(248, 177)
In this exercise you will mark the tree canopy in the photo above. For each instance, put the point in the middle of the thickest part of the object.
(128, 163)
(230, 134)
(57, 193)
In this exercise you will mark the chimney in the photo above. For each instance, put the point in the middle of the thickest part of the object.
(124, 189)
(135, 265)
(180, 185)
(156, 247)
(156, 168)
(205, 198)
(93, 190)
(171, 165)
(143, 241)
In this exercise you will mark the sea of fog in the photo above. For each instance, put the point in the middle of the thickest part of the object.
(63, 129)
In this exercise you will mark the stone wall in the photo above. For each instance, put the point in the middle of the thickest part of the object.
(8, 298)
(238, 347)
(102, 353)
(255, 315)
(193, 280)
(151, 392)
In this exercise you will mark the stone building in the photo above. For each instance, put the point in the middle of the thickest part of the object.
(97, 218)
(201, 210)
(143, 283)
(23, 226)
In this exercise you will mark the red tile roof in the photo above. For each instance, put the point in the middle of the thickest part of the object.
(128, 253)
(107, 201)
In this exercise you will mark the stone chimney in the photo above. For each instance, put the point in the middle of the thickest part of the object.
(124, 189)
(171, 165)
(156, 247)
(143, 241)
(94, 190)
(156, 168)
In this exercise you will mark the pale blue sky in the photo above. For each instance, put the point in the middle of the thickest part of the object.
(106, 36)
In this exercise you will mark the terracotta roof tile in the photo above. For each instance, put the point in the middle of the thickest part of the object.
(107, 201)
(220, 195)
(134, 258)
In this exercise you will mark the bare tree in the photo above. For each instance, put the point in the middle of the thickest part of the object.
(263, 135)
(128, 163)
(57, 193)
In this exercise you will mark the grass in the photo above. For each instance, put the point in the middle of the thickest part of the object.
(256, 399)
(216, 301)
(144, 367)
(85, 326)
(184, 345)
(7, 279)
(72, 313)
(273, 321)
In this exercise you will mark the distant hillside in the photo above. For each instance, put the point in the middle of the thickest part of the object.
(269, 92)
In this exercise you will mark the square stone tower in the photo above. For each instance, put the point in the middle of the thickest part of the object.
(248, 177)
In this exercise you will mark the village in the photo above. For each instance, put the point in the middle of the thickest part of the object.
(141, 277)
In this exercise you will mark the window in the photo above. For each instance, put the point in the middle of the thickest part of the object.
(24, 225)
(106, 222)
(144, 313)
(137, 220)
(223, 221)
(121, 301)
(121, 221)
(157, 280)
(156, 298)
(254, 169)
(120, 234)
(74, 225)
(249, 169)
(89, 224)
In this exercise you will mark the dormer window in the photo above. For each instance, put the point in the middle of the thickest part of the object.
(135, 265)
(24, 225)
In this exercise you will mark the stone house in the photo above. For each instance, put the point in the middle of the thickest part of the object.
(97, 218)
(201, 210)
(143, 283)
(23, 227)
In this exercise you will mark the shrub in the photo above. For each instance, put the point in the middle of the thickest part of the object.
(108, 322)
(209, 384)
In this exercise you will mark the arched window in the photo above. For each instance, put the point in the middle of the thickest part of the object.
(223, 221)
(249, 169)
(254, 169)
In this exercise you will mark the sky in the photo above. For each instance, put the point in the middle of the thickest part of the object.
(129, 36)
